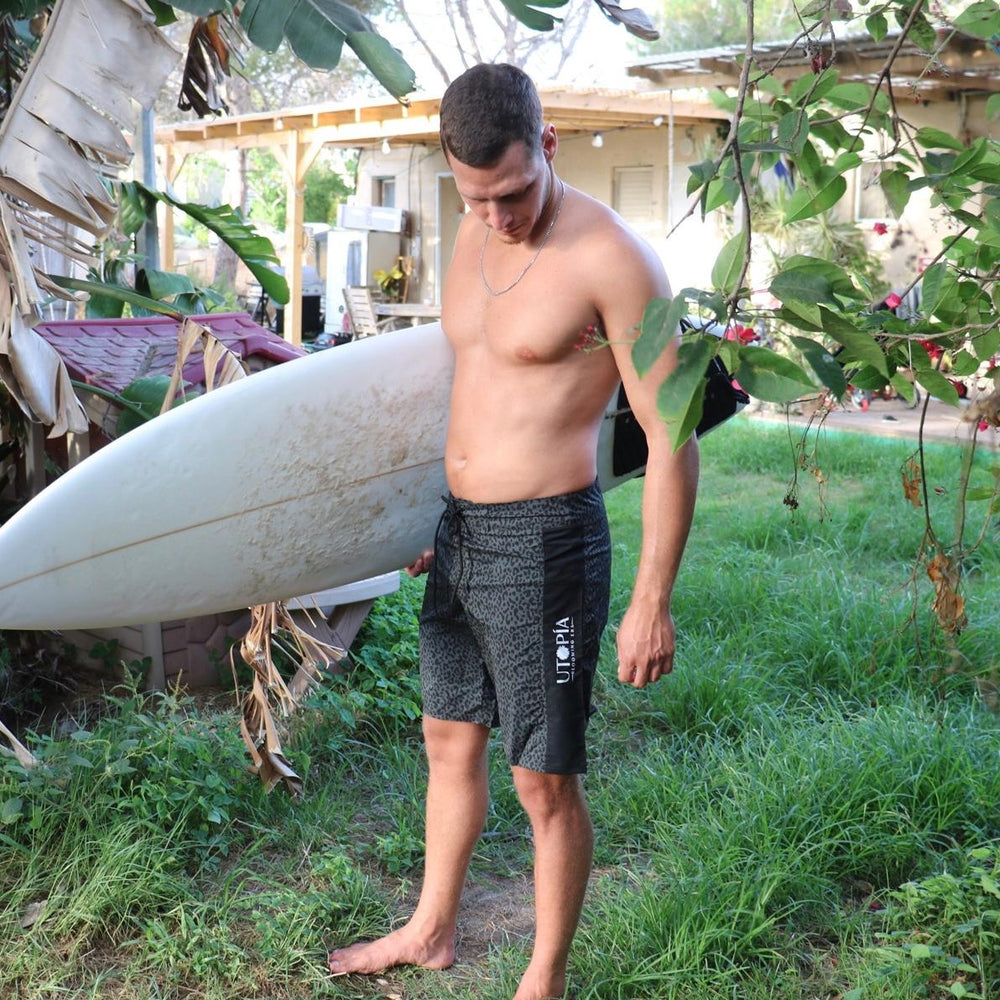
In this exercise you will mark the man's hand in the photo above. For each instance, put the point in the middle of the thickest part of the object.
(645, 645)
(422, 564)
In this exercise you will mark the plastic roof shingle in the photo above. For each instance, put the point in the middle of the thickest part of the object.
(113, 353)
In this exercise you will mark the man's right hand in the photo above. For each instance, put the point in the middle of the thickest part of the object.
(422, 564)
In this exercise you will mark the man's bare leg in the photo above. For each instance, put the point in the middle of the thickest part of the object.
(564, 847)
(457, 799)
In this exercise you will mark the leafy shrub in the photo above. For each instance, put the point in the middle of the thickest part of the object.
(113, 821)
(944, 930)
(379, 698)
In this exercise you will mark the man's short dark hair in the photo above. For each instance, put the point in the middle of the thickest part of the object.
(486, 109)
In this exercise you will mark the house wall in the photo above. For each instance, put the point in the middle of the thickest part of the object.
(422, 184)
(915, 238)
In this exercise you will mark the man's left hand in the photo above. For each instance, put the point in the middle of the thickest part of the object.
(645, 646)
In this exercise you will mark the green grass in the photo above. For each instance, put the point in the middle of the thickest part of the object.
(789, 815)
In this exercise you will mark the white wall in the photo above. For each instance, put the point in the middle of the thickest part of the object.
(688, 253)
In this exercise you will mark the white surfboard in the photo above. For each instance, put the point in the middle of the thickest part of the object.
(315, 473)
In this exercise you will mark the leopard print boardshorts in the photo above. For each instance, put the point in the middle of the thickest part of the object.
(513, 613)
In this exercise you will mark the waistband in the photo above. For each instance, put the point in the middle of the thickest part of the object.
(579, 501)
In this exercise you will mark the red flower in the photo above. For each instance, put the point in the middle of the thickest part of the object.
(892, 300)
(880, 228)
(744, 334)
(931, 348)
(960, 387)
(983, 425)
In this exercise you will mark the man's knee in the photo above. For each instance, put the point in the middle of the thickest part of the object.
(455, 744)
(545, 796)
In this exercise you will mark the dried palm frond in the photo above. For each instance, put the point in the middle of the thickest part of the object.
(189, 335)
(205, 69)
(260, 731)
(66, 124)
(267, 621)
(62, 135)
(24, 756)
(30, 369)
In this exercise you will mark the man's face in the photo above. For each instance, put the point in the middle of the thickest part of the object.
(510, 196)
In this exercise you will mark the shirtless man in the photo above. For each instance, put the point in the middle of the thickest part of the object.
(518, 592)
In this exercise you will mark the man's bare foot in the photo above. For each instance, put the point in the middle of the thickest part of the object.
(541, 986)
(402, 947)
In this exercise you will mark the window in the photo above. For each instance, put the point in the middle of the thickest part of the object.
(869, 198)
(632, 196)
(385, 192)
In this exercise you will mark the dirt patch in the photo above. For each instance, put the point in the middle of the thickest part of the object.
(492, 913)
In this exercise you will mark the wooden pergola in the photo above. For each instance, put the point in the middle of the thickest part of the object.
(297, 135)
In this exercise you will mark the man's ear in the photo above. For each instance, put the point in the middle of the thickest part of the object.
(550, 142)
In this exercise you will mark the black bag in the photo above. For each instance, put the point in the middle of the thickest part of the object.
(722, 401)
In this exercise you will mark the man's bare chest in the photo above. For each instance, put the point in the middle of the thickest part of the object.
(545, 318)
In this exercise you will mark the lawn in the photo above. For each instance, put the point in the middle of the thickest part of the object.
(807, 808)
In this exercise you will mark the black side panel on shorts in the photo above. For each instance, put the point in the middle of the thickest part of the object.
(567, 682)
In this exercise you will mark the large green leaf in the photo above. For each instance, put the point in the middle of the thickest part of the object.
(896, 188)
(771, 377)
(824, 364)
(813, 87)
(120, 293)
(935, 138)
(383, 60)
(829, 188)
(264, 22)
(728, 267)
(317, 30)
(146, 395)
(802, 284)
(793, 131)
(934, 284)
(840, 282)
(938, 386)
(858, 345)
(162, 285)
(986, 344)
(855, 96)
(682, 393)
(877, 26)
(981, 19)
(536, 19)
(253, 249)
(660, 322)
(803, 315)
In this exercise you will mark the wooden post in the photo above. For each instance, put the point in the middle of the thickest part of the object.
(171, 170)
(296, 160)
(77, 447)
(34, 460)
(152, 646)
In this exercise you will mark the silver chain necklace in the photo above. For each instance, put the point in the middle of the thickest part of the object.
(527, 267)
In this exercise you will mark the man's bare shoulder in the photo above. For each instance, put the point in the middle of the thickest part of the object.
(610, 253)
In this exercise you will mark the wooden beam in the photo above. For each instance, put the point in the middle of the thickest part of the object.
(294, 216)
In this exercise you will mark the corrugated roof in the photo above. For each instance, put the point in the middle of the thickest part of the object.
(961, 63)
(111, 353)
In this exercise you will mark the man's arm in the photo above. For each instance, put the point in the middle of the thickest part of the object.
(646, 635)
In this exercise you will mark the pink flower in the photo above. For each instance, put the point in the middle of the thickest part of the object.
(983, 425)
(880, 228)
(892, 300)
